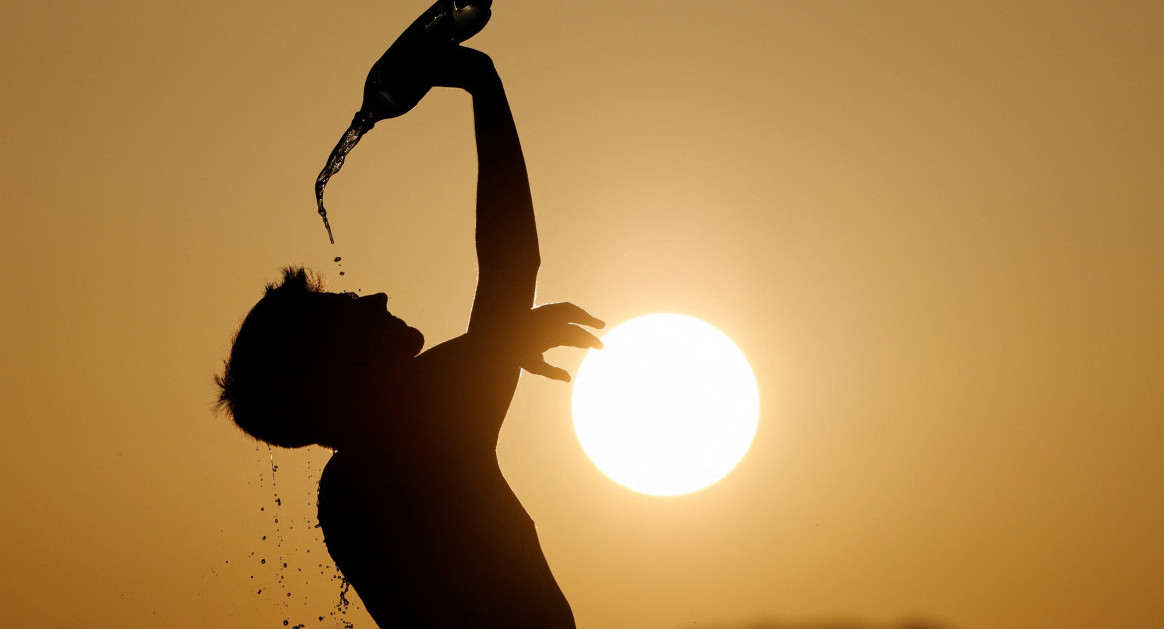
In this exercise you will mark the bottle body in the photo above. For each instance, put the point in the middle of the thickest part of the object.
(394, 84)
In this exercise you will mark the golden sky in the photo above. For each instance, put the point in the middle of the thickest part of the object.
(934, 228)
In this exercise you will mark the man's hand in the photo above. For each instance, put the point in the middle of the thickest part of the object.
(554, 325)
(458, 67)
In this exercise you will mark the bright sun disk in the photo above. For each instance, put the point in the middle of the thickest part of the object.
(669, 407)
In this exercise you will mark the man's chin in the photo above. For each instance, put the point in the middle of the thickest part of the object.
(416, 341)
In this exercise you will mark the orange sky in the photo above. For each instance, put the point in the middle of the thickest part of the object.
(934, 228)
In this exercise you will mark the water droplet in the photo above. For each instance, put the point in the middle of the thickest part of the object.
(262, 561)
(337, 259)
(341, 272)
(286, 622)
(264, 538)
(284, 564)
(278, 502)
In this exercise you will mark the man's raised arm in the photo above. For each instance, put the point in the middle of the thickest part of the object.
(507, 239)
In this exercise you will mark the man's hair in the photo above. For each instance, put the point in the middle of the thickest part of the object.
(265, 383)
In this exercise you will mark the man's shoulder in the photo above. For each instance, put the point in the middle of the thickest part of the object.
(331, 478)
(341, 484)
(343, 495)
(355, 475)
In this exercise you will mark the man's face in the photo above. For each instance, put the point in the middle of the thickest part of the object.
(364, 327)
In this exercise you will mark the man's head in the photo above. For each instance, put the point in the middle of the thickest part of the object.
(301, 355)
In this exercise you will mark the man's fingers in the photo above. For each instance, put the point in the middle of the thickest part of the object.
(448, 65)
(567, 312)
(575, 336)
(541, 368)
(555, 325)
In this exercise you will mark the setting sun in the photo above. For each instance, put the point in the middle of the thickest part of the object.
(669, 407)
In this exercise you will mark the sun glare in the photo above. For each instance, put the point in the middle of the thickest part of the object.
(669, 407)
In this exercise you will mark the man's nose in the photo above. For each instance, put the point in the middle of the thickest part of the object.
(379, 300)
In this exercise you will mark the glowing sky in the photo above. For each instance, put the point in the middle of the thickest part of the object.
(934, 228)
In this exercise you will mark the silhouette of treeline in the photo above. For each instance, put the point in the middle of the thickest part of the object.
(910, 624)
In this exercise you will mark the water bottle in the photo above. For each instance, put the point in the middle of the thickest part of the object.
(395, 84)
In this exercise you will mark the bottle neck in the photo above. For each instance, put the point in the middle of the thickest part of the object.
(363, 122)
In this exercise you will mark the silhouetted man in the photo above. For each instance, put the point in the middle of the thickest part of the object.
(413, 505)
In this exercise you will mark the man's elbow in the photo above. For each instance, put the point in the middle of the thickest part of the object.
(534, 262)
